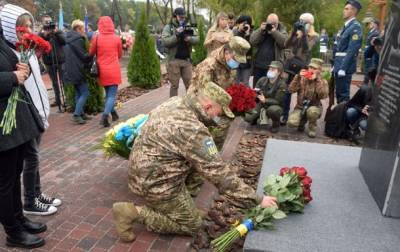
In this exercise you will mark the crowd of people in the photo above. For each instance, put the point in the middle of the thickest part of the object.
(179, 144)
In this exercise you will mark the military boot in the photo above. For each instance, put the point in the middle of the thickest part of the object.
(312, 127)
(275, 126)
(125, 214)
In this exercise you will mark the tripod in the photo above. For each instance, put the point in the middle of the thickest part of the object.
(58, 79)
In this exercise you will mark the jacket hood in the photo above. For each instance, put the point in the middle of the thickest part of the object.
(72, 36)
(106, 25)
(9, 15)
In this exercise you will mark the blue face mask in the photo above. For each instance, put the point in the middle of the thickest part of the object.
(233, 64)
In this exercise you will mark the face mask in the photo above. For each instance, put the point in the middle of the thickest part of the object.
(271, 75)
(216, 120)
(233, 64)
(307, 27)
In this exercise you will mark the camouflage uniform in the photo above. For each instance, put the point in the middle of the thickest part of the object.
(313, 90)
(177, 67)
(275, 94)
(215, 69)
(173, 143)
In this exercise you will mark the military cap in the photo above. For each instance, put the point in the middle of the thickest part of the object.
(179, 12)
(276, 64)
(219, 95)
(356, 4)
(240, 47)
(316, 63)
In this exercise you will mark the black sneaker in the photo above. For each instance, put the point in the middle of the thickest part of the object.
(38, 208)
(43, 198)
(104, 121)
(114, 116)
(78, 119)
(86, 117)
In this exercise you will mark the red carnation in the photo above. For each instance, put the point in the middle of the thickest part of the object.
(22, 29)
(284, 170)
(306, 181)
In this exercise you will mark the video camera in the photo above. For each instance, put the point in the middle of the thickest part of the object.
(50, 26)
(188, 30)
(300, 25)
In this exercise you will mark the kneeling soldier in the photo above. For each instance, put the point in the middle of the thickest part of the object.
(173, 143)
(310, 89)
(270, 97)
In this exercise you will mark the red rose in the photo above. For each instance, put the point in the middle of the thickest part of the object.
(308, 199)
(284, 170)
(306, 181)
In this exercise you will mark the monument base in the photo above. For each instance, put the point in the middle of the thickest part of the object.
(343, 215)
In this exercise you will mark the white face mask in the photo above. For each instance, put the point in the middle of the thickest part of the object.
(216, 119)
(271, 75)
(307, 27)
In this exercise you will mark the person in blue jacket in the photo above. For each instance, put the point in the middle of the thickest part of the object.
(373, 25)
(346, 50)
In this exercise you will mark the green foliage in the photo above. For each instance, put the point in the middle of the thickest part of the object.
(144, 65)
(77, 9)
(95, 101)
(200, 52)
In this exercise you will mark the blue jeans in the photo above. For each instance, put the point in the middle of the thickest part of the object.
(352, 115)
(81, 95)
(111, 93)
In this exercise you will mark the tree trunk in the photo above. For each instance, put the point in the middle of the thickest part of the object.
(148, 6)
(172, 7)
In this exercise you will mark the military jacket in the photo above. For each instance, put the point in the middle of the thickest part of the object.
(313, 90)
(274, 92)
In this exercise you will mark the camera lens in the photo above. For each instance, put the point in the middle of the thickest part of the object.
(246, 28)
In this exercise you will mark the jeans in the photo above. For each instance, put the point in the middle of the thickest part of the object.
(30, 174)
(12, 162)
(353, 115)
(111, 93)
(81, 95)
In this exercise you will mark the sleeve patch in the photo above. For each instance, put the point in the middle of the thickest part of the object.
(210, 147)
(355, 37)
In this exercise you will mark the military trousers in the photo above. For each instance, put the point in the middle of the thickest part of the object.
(178, 69)
(313, 114)
(178, 215)
(272, 112)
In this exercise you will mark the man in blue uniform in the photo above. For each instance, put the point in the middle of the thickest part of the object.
(373, 25)
(346, 51)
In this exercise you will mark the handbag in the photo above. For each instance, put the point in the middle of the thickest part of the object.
(94, 68)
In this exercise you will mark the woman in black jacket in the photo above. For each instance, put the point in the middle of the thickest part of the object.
(18, 228)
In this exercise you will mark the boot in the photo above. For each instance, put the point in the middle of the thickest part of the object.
(104, 121)
(275, 126)
(32, 227)
(125, 214)
(312, 127)
(114, 116)
(23, 239)
(78, 119)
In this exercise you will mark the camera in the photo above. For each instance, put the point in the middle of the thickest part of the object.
(188, 29)
(300, 25)
(50, 26)
(378, 41)
(269, 27)
(245, 28)
(306, 105)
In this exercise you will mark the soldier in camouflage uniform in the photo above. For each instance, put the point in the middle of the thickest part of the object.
(174, 142)
(219, 68)
(271, 91)
(311, 92)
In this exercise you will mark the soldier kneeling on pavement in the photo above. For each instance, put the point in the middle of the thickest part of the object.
(173, 143)
(270, 98)
(310, 89)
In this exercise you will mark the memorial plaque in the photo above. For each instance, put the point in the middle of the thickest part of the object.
(379, 162)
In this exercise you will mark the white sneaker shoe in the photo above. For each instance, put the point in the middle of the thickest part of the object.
(43, 198)
(40, 209)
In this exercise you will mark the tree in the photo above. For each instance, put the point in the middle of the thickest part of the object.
(144, 65)
(26, 4)
(200, 52)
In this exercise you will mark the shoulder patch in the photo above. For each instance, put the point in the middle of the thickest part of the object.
(355, 37)
(210, 147)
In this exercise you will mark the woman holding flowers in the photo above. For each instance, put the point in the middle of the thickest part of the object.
(20, 231)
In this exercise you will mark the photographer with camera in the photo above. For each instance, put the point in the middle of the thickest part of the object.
(55, 59)
(300, 43)
(373, 25)
(219, 34)
(244, 29)
(310, 89)
(270, 90)
(269, 40)
(178, 38)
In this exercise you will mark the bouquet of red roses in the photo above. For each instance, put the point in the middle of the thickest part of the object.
(292, 191)
(243, 98)
(27, 46)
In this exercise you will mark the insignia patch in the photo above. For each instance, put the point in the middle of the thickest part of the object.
(210, 147)
(355, 37)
